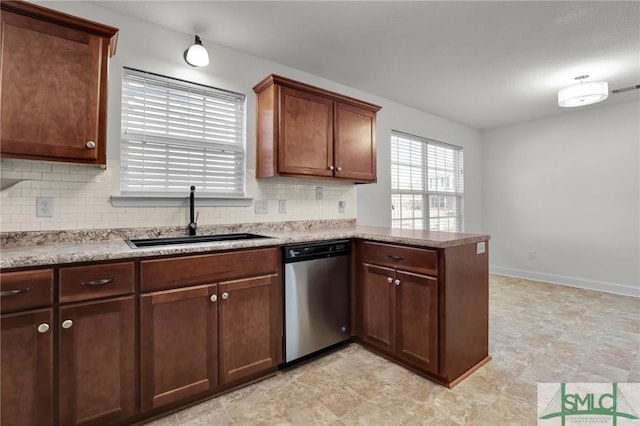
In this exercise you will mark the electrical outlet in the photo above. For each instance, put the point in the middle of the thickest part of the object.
(44, 207)
(532, 255)
(261, 206)
(282, 206)
(341, 206)
(319, 193)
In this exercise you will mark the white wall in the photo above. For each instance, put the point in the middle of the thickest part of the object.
(567, 188)
(81, 193)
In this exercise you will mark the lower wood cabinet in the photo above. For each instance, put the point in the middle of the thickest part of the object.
(26, 367)
(250, 326)
(425, 308)
(399, 311)
(205, 323)
(178, 344)
(195, 339)
(97, 382)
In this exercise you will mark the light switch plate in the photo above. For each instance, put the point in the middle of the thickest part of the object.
(341, 206)
(261, 206)
(282, 206)
(480, 248)
(319, 193)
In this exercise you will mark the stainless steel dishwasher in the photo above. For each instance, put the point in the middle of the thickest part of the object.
(316, 280)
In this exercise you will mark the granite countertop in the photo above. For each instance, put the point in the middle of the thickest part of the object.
(61, 248)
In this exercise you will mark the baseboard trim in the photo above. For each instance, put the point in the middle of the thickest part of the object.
(615, 288)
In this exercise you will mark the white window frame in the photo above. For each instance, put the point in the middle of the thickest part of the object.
(176, 134)
(437, 186)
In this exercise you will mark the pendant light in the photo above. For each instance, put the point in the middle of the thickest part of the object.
(583, 93)
(197, 55)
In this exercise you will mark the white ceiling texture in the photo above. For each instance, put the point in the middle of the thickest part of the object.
(483, 64)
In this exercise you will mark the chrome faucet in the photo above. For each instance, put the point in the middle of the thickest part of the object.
(192, 219)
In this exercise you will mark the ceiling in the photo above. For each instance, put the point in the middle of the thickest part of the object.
(483, 64)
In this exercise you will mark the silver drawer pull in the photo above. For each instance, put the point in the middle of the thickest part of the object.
(225, 296)
(394, 257)
(213, 298)
(97, 283)
(8, 293)
(43, 328)
(66, 324)
(397, 282)
(389, 280)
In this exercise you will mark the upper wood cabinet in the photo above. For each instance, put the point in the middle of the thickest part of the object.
(53, 84)
(306, 131)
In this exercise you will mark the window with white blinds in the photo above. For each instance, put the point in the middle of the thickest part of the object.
(427, 184)
(176, 134)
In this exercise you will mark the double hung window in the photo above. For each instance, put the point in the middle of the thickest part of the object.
(176, 134)
(427, 190)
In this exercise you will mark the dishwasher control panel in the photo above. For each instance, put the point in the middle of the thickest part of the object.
(316, 250)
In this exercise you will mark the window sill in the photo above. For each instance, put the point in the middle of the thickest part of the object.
(174, 201)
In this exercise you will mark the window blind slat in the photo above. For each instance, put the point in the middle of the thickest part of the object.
(176, 134)
(427, 184)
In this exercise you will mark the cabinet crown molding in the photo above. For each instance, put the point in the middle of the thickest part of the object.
(293, 84)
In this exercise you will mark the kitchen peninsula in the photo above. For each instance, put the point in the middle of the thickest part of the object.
(419, 298)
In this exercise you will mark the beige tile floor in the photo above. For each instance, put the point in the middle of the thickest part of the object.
(538, 333)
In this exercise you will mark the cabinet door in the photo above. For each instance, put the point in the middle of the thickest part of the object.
(26, 368)
(355, 143)
(250, 315)
(97, 362)
(378, 300)
(50, 89)
(416, 317)
(178, 344)
(305, 141)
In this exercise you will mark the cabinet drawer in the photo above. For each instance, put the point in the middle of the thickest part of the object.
(174, 272)
(26, 289)
(96, 281)
(421, 261)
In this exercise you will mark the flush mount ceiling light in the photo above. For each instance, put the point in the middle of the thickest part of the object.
(197, 55)
(583, 93)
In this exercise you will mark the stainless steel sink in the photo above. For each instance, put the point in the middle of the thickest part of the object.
(152, 242)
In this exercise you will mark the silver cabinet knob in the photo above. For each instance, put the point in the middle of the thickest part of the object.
(67, 324)
(331, 167)
(91, 144)
(43, 328)
(214, 298)
(339, 169)
(389, 280)
(225, 296)
(397, 282)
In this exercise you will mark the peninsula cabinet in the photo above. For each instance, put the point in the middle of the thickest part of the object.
(208, 322)
(26, 348)
(54, 84)
(306, 131)
(399, 310)
(425, 308)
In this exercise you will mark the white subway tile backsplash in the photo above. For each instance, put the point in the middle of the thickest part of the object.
(82, 200)
(41, 166)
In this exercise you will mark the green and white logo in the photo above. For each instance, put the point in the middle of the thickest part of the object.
(614, 404)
